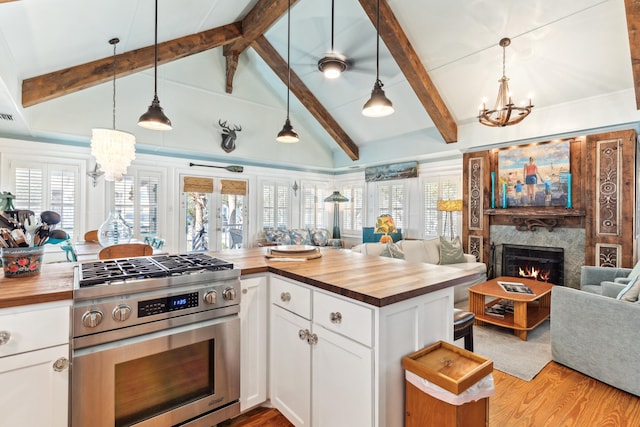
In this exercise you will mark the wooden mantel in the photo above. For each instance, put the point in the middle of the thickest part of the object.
(530, 218)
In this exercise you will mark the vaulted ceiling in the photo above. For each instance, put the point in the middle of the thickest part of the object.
(226, 60)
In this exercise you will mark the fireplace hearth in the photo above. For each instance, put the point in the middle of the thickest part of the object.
(533, 262)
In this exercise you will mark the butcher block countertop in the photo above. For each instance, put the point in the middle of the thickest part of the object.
(373, 280)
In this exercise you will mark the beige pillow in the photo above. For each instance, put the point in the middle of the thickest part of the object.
(631, 291)
(451, 251)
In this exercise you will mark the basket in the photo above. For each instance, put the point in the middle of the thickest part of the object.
(22, 262)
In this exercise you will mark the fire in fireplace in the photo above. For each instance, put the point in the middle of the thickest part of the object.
(541, 263)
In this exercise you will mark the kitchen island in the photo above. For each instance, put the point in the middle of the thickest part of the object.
(398, 307)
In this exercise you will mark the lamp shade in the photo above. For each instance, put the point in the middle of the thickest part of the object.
(450, 205)
(336, 197)
(378, 105)
(385, 224)
(114, 150)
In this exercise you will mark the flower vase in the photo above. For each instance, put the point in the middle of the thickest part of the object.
(114, 230)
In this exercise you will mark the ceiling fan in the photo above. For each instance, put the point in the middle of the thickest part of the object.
(333, 63)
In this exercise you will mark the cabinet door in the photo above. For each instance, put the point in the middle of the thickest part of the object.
(290, 366)
(342, 381)
(34, 393)
(253, 342)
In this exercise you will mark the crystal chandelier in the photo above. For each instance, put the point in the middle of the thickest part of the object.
(504, 112)
(113, 149)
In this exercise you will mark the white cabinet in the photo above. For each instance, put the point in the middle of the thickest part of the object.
(347, 371)
(34, 365)
(318, 376)
(253, 341)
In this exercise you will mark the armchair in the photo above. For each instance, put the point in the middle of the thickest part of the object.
(606, 281)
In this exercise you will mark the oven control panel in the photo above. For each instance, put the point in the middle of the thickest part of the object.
(167, 304)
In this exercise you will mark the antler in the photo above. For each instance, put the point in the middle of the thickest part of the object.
(223, 125)
(237, 128)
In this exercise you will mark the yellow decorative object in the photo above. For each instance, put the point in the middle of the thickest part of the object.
(449, 206)
(385, 224)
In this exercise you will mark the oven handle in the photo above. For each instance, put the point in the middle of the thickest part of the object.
(139, 338)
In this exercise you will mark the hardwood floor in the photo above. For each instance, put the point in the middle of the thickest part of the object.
(556, 397)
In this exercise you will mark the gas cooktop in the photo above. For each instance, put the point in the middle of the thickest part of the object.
(126, 269)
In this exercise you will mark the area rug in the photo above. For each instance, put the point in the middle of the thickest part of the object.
(510, 354)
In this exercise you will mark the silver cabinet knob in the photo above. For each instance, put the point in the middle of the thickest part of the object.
(229, 294)
(61, 364)
(312, 339)
(121, 313)
(336, 317)
(285, 297)
(210, 297)
(92, 318)
(303, 334)
(5, 337)
(245, 290)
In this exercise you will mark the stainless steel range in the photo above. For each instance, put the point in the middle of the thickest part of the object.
(156, 341)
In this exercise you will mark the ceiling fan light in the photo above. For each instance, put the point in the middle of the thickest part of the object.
(155, 118)
(378, 105)
(287, 135)
(332, 66)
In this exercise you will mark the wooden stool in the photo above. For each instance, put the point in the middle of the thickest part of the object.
(463, 327)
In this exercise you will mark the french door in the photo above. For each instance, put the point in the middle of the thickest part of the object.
(213, 214)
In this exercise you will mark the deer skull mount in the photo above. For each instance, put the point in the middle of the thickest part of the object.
(228, 136)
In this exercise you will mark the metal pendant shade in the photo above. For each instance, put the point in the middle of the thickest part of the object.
(287, 135)
(378, 105)
(154, 118)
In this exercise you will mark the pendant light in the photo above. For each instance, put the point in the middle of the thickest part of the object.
(378, 105)
(154, 118)
(113, 149)
(333, 64)
(287, 134)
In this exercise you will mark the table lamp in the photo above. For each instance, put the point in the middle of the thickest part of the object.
(449, 206)
(336, 198)
(385, 224)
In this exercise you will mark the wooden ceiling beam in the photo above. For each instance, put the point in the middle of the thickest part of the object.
(254, 25)
(407, 59)
(69, 80)
(268, 53)
(632, 9)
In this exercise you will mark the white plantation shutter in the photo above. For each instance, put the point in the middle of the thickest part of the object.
(354, 208)
(391, 202)
(136, 197)
(313, 205)
(41, 187)
(439, 188)
(275, 205)
(123, 199)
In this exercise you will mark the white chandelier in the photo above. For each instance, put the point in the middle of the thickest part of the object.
(113, 149)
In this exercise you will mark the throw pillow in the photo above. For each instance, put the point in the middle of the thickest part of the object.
(319, 236)
(635, 272)
(631, 291)
(451, 251)
(392, 251)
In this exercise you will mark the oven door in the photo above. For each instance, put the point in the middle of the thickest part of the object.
(162, 378)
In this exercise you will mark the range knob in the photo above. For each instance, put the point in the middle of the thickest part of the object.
(229, 294)
(210, 297)
(121, 313)
(92, 318)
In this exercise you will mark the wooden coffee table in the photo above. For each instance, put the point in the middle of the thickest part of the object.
(529, 310)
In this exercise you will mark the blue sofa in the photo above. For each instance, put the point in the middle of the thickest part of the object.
(300, 236)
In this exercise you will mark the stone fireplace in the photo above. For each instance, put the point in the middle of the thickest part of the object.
(570, 240)
(533, 262)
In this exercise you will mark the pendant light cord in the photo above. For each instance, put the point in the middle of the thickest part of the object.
(332, 14)
(378, 44)
(155, 63)
(288, 56)
(114, 83)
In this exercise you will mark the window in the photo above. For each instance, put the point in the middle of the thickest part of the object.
(434, 189)
(40, 187)
(275, 205)
(313, 213)
(136, 197)
(391, 201)
(353, 210)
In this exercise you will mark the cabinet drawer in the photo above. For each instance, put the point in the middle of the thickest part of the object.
(31, 330)
(290, 296)
(344, 317)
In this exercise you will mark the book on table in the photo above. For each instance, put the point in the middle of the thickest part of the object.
(515, 287)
